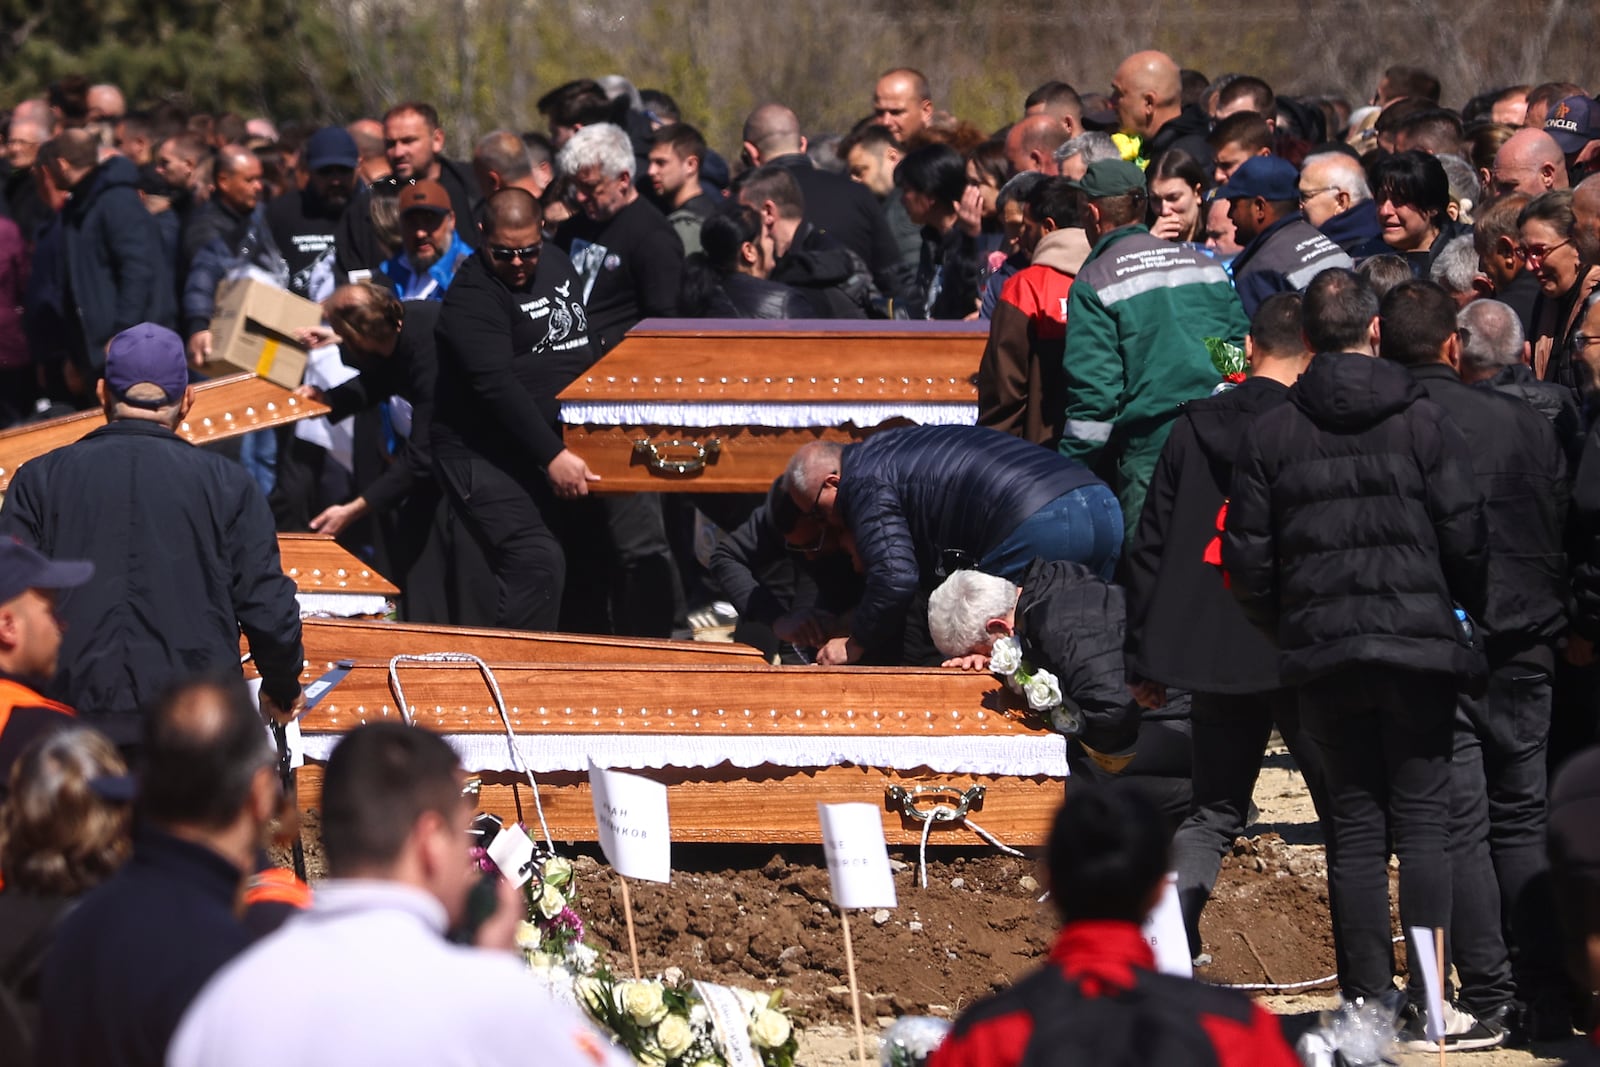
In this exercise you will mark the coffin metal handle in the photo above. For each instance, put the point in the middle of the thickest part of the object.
(953, 803)
(656, 459)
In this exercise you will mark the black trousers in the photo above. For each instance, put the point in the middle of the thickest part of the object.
(1230, 733)
(1386, 737)
(505, 515)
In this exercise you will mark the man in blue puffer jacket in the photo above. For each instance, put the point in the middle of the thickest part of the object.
(912, 505)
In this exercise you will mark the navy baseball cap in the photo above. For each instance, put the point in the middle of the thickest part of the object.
(1573, 122)
(147, 354)
(1272, 178)
(331, 146)
(23, 568)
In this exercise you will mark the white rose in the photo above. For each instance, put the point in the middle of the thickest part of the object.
(769, 1029)
(642, 1001)
(556, 871)
(551, 902)
(539, 961)
(1043, 691)
(699, 1016)
(591, 994)
(674, 1035)
(582, 957)
(528, 936)
(1006, 656)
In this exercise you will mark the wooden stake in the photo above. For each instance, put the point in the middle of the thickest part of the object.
(1438, 946)
(855, 992)
(627, 915)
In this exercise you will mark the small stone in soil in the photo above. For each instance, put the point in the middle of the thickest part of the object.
(957, 883)
(914, 927)
(880, 916)
(1028, 884)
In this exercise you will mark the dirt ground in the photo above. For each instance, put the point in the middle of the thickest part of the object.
(760, 917)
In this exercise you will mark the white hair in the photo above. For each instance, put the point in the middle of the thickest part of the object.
(810, 465)
(1493, 336)
(1344, 174)
(1092, 146)
(599, 145)
(960, 609)
(1456, 265)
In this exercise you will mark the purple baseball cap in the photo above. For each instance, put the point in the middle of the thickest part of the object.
(1573, 122)
(23, 568)
(147, 354)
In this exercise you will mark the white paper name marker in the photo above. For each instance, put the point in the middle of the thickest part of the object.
(631, 815)
(858, 859)
(1164, 933)
(512, 852)
(731, 1022)
(1425, 957)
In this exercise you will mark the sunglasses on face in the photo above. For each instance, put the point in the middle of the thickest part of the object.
(502, 254)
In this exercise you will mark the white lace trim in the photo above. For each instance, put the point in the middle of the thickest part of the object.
(342, 605)
(1027, 756)
(748, 413)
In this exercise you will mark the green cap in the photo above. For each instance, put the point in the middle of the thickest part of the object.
(1110, 177)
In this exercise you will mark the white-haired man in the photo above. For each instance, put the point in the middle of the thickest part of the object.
(630, 263)
(1336, 199)
(1065, 620)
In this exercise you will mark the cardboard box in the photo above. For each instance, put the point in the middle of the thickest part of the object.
(253, 329)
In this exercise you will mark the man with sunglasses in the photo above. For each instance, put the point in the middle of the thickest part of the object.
(512, 334)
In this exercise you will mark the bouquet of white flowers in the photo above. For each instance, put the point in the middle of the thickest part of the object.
(667, 1023)
(1041, 688)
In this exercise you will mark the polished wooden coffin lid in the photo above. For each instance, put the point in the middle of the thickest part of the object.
(810, 361)
(674, 698)
(223, 408)
(319, 564)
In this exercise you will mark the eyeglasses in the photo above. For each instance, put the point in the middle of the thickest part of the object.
(815, 514)
(502, 254)
(1584, 340)
(1535, 253)
(1308, 195)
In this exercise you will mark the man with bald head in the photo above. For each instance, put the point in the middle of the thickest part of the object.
(512, 334)
(1529, 162)
(1147, 93)
(1586, 218)
(845, 210)
(501, 160)
(1031, 144)
(902, 102)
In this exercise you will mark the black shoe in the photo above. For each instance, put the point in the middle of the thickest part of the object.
(1463, 1031)
(1547, 1017)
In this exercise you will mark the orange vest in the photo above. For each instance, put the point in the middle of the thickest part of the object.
(16, 695)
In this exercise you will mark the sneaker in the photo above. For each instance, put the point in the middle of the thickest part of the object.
(1463, 1031)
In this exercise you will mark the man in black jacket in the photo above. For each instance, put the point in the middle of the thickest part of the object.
(1494, 355)
(1186, 632)
(630, 267)
(1147, 93)
(1499, 763)
(303, 221)
(115, 274)
(1354, 530)
(512, 334)
(914, 504)
(844, 210)
(182, 543)
(834, 280)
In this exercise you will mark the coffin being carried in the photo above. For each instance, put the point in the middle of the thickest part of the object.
(710, 406)
(747, 751)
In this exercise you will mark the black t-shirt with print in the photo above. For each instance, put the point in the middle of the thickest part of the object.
(631, 268)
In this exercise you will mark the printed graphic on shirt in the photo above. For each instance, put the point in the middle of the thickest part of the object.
(314, 281)
(589, 259)
(566, 323)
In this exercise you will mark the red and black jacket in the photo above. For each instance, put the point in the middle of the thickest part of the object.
(25, 716)
(1099, 1000)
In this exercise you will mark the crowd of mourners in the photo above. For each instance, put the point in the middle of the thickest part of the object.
(1286, 426)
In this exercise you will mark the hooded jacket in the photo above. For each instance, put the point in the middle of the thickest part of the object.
(1186, 130)
(1185, 629)
(1354, 227)
(1523, 477)
(1555, 402)
(834, 280)
(1356, 526)
(115, 268)
(1021, 383)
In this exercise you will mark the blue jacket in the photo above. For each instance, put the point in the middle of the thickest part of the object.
(114, 263)
(1283, 258)
(410, 284)
(252, 244)
(927, 499)
(1354, 227)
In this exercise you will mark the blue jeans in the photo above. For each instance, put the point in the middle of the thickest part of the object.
(1082, 526)
(258, 451)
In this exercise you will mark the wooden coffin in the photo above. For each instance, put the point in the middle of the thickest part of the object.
(223, 408)
(747, 751)
(718, 406)
(331, 580)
